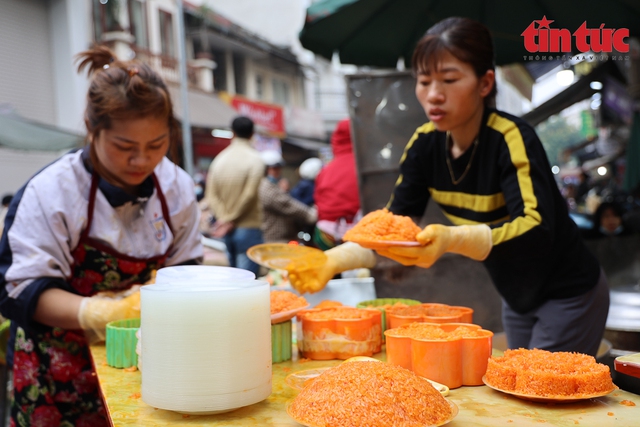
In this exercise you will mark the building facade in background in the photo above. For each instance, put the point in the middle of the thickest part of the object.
(243, 57)
(230, 69)
(280, 21)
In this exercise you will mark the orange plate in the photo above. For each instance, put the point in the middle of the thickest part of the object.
(282, 256)
(383, 244)
(454, 412)
(536, 398)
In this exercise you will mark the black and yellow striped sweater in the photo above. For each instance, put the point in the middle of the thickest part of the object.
(537, 250)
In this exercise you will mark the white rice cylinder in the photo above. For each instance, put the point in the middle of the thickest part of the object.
(206, 347)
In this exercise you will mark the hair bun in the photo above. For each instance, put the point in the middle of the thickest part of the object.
(97, 58)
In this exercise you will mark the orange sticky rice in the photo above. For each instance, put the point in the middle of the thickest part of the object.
(383, 225)
(329, 303)
(430, 331)
(338, 313)
(284, 301)
(545, 374)
(425, 310)
(388, 306)
(367, 394)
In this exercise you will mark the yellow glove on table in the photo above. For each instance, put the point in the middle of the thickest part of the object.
(473, 241)
(347, 256)
(96, 311)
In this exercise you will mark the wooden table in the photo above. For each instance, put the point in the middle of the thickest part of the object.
(478, 406)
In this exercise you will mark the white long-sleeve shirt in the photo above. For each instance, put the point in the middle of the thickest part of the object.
(44, 227)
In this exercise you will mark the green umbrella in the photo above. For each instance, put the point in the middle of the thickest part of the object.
(19, 133)
(378, 32)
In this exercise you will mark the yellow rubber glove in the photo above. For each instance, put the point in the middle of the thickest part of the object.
(96, 311)
(347, 256)
(473, 241)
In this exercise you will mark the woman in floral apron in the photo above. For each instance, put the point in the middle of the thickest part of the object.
(97, 219)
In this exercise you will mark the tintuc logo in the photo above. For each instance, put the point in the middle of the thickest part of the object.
(545, 39)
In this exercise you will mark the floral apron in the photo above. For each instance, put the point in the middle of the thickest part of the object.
(53, 379)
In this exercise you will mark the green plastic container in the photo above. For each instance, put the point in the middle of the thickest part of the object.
(281, 342)
(121, 343)
(379, 302)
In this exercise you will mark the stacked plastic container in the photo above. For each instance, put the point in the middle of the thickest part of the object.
(339, 332)
(205, 340)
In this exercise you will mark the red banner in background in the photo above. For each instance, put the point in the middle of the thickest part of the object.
(267, 117)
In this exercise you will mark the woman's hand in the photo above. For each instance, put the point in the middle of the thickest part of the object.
(347, 256)
(473, 241)
(96, 311)
(312, 280)
(220, 229)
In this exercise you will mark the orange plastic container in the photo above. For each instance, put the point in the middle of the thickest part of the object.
(383, 304)
(466, 315)
(428, 313)
(398, 350)
(476, 352)
(452, 357)
(438, 360)
(339, 332)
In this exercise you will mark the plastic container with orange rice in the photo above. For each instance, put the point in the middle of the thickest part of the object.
(429, 313)
(284, 306)
(339, 332)
(550, 375)
(284, 301)
(383, 304)
(453, 354)
(367, 394)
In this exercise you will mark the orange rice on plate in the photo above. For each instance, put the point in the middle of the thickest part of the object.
(383, 225)
(284, 301)
(545, 374)
(366, 394)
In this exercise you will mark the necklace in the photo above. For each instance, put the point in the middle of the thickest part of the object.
(448, 143)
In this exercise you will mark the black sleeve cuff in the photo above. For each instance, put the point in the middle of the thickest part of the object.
(22, 308)
(191, 262)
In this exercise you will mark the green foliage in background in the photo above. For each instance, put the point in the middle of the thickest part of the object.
(557, 134)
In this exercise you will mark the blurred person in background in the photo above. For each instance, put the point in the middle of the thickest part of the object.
(608, 221)
(303, 192)
(115, 211)
(200, 184)
(336, 191)
(231, 192)
(584, 185)
(308, 171)
(281, 212)
(4, 208)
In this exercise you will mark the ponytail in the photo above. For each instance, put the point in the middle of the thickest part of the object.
(98, 58)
